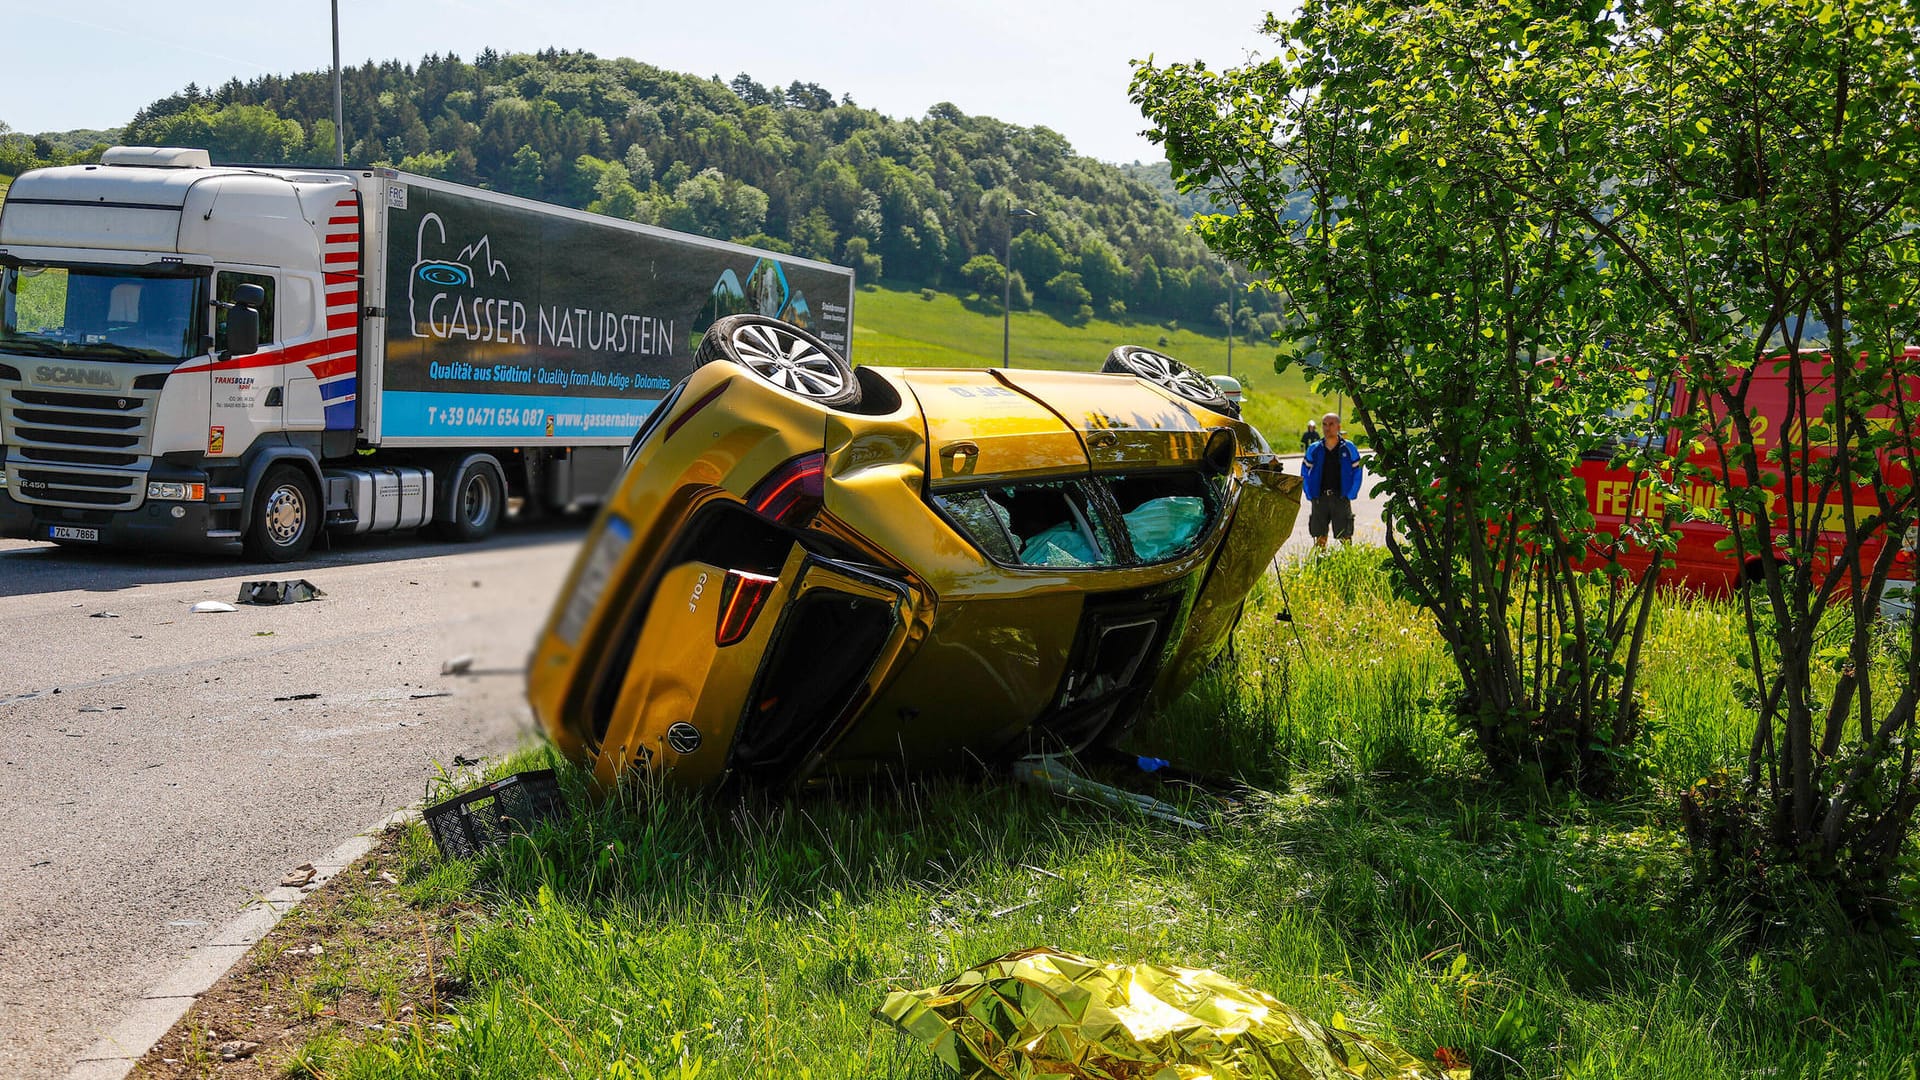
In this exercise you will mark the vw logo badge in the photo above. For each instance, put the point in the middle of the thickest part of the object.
(683, 738)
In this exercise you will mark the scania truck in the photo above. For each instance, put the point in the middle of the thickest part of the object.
(228, 359)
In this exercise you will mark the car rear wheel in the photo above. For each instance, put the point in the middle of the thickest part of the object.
(1170, 375)
(784, 355)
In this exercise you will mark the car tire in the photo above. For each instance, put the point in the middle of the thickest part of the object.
(783, 355)
(1170, 375)
(285, 518)
(475, 502)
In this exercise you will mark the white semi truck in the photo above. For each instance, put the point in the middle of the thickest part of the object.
(232, 358)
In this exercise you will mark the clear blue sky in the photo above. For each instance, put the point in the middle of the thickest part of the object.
(91, 63)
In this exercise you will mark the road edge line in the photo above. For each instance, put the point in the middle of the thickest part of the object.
(149, 1017)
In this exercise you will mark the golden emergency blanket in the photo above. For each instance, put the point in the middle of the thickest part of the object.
(1046, 1013)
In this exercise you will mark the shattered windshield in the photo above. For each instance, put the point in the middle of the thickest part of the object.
(100, 314)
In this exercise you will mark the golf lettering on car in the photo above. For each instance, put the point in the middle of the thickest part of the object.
(512, 327)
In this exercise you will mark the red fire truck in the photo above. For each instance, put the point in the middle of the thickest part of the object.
(1617, 495)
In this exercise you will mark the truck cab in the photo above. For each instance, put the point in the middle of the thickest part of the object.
(129, 412)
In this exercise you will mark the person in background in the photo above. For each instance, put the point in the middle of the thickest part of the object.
(1309, 436)
(1330, 478)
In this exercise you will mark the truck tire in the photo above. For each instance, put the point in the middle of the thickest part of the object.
(784, 355)
(285, 518)
(475, 502)
(1170, 375)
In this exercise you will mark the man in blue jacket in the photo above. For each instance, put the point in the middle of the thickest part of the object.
(1331, 481)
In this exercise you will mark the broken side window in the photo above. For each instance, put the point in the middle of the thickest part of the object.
(1047, 524)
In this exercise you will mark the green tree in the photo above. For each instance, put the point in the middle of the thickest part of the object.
(1523, 217)
(1019, 297)
(812, 235)
(1066, 289)
(526, 174)
(984, 275)
(1434, 295)
(233, 133)
(866, 264)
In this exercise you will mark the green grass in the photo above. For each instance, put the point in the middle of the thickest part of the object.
(895, 327)
(1370, 871)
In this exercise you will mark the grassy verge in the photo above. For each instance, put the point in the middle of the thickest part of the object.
(899, 327)
(1368, 871)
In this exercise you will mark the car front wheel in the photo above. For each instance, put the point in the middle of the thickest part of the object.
(1171, 375)
(784, 355)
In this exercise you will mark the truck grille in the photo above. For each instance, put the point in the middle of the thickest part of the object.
(75, 449)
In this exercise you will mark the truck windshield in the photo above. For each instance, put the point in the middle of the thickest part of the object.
(101, 314)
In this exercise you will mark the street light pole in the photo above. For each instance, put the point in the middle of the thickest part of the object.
(1006, 286)
(339, 128)
(1232, 287)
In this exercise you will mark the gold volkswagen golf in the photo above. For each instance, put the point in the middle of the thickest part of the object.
(811, 570)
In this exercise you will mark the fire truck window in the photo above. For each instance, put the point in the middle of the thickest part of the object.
(229, 282)
(1647, 420)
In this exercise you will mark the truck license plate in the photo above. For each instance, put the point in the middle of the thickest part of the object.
(71, 532)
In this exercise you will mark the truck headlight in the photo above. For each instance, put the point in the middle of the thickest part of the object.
(166, 490)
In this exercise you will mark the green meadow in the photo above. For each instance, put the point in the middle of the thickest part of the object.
(1363, 866)
(906, 328)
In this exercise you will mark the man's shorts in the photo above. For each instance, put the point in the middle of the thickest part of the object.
(1330, 510)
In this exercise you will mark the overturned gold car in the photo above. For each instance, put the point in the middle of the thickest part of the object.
(811, 570)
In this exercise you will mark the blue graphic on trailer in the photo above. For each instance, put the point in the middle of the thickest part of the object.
(766, 292)
(438, 275)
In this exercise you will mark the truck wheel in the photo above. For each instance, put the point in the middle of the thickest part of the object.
(286, 516)
(474, 502)
(784, 355)
(1170, 375)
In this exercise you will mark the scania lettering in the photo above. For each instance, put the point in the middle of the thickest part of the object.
(233, 358)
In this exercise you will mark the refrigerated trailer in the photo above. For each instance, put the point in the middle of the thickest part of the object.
(236, 358)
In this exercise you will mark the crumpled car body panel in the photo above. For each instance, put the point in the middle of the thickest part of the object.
(951, 573)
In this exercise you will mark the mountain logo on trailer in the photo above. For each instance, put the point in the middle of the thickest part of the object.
(438, 312)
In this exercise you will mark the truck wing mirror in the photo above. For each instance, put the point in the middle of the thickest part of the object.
(243, 320)
(243, 330)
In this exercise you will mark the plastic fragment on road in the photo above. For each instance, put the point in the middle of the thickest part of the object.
(1043, 1012)
(468, 824)
(295, 591)
(459, 665)
(206, 606)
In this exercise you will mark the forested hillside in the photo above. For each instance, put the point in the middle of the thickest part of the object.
(800, 168)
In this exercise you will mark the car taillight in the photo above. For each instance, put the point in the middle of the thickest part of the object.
(741, 599)
(792, 494)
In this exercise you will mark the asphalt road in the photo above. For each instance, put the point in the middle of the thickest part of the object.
(150, 782)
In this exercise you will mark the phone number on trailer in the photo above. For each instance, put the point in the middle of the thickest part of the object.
(486, 417)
